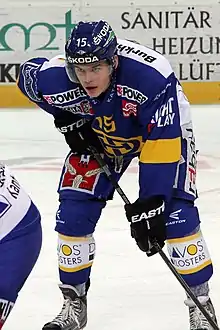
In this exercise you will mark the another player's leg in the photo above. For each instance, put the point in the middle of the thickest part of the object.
(190, 256)
(19, 251)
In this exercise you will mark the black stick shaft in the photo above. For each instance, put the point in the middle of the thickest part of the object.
(186, 287)
(115, 184)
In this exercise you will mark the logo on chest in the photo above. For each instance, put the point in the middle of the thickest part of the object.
(83, 107)
(114, 145)
(64, 97)
(131, 94)
(129, 108)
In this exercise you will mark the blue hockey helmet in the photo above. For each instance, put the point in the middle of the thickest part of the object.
(90, 42)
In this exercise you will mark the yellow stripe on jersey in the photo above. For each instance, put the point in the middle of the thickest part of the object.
(161, 151)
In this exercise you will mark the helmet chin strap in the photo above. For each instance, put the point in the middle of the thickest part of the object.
(111, 69)
(111, 73)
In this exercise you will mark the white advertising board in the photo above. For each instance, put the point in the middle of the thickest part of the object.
(187, 35)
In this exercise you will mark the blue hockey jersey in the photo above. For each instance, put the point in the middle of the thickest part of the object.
(144, 114)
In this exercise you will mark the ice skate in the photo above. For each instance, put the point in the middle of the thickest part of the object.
(73, 315)
(196, 319)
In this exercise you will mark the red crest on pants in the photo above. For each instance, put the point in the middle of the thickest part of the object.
(81, 173)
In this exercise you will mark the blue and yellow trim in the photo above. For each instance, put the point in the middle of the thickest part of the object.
(76, 269)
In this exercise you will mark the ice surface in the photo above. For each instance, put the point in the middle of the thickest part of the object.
(129, 291)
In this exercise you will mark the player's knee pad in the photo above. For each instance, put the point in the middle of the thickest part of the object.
(78, 217)
(5, 309)
(182, 219)
(75, 253)
(190, 256)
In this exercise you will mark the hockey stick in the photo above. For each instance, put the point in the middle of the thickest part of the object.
(115, 184)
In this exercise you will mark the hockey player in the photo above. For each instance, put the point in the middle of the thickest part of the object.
(123, 99)
(20, 240)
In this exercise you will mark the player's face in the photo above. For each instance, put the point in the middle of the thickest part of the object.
(94, 78)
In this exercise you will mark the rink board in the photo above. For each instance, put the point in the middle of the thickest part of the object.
(196, 92)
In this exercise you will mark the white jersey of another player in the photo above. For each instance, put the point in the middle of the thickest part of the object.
(20, 239)
(14, 201)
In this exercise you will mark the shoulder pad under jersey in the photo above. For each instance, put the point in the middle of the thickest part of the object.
(144, 56)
